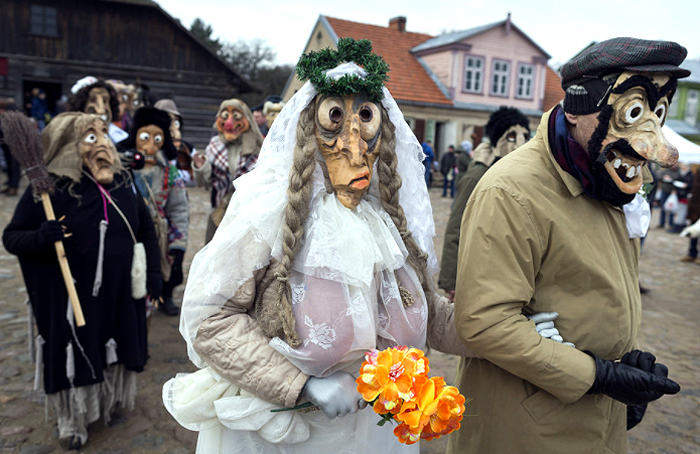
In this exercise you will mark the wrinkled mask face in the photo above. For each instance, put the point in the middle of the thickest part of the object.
(175, 134)
(231, 123)
(98, 104)
(126, 100)
(348, 133)
(96, 153)
(149, 139)
(513, 138)
(637, 108)
(271, 115)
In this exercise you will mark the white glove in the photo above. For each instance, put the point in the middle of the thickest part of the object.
(544, 325)
(335, 395)
(693, 231)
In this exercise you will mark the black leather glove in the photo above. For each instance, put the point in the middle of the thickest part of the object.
(647, 362)
(176, 268)
(50, 232)
(155, 286)
(630, 384)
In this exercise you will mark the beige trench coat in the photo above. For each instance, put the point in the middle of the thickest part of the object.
(535, 243)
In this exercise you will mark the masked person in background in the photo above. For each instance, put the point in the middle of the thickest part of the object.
(185, 150)
(545, 230)
(87, 370)
(95, 96)
(506, 130)
(164, 192)
(231, 153)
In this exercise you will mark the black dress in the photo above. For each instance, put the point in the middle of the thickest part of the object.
(113, 313)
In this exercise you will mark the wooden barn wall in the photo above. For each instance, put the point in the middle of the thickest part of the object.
(117, 41)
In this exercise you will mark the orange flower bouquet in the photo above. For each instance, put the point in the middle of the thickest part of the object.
(395, 382)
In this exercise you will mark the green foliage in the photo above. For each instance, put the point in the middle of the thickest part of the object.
(203, 31)
(312, 66)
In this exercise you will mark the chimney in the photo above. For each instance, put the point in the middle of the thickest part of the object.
(398, 23)
(508, 24)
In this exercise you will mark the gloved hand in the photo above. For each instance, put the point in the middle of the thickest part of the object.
(335, 395)
(154, 283)
(544, 325)
(50, 232)
(177, 256)
(630, 384)
(647, 362)
(692, 231)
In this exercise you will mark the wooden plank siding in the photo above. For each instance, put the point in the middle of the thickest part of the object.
(133, 42)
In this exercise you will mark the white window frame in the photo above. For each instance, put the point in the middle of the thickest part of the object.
(477, 74)
(525, 82)
(500, 78)
(692, 101)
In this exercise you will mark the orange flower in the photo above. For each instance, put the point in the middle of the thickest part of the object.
(416, 413)
(407, 435)
(389, 374)
(448, 415)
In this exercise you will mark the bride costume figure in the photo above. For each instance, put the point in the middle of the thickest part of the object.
(325, 252)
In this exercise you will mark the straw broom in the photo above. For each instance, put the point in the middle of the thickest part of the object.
(22, 136)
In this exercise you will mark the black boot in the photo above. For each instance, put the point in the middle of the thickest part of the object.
(168, 306)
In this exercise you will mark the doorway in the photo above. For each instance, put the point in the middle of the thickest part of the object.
(53, 95)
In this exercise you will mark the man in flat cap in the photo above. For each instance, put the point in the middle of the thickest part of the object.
(547, 233)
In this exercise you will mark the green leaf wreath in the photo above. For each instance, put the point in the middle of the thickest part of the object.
(313, 66)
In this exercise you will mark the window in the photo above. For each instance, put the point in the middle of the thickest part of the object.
(501, 71)
(44, 21)
(673, 108)
(473, 74)
(526, 76)
(691, 107)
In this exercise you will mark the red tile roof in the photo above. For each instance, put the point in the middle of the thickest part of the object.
(553, 92)
(408, 80)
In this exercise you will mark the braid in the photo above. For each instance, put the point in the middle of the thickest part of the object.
(389, 185)
(277, 319)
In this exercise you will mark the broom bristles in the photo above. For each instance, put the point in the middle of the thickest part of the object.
(22, 137)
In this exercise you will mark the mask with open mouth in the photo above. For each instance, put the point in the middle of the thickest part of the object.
(348, 133)
(231, 123)
(96, 153)
(628, 135)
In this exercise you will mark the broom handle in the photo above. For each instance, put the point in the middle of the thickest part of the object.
(63, 261)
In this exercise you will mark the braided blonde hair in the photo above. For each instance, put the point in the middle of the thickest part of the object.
(276, 318)
(389, 185)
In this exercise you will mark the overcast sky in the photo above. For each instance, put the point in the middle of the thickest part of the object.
(561, 28)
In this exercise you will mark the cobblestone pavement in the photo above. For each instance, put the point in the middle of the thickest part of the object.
(669, 329)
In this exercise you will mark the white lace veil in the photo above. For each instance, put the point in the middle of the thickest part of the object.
(250, 233)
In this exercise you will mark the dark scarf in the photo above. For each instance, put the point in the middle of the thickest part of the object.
(575, 160)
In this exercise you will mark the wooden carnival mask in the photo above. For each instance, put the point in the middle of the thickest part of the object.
(231, 123)
(95, 151)
(513, 138)
(348, 133)
(639, 106)
(98, 104)
(175, 133)
(149, 139)
(271, 110)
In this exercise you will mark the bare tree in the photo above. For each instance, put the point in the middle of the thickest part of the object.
(248, 57)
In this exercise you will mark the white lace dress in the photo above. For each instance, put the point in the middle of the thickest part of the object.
(341, 312)
(345, 295)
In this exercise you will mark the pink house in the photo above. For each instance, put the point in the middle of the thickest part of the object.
(487, 66)
(448, 85)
